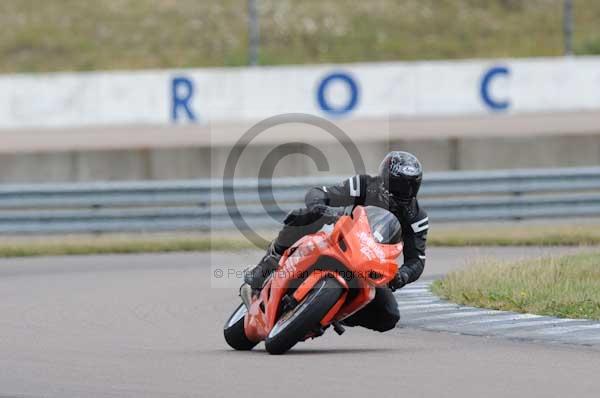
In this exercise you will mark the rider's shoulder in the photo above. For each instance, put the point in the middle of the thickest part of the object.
(363, 176)
(371, 180)
(418, 218)
(361, 180)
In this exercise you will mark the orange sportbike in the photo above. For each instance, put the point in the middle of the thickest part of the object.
(321, 280)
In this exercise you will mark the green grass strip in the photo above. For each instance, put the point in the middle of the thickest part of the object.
(460, 236)
(63, 35)
(567, 287)
(106, 245)
(515, 234)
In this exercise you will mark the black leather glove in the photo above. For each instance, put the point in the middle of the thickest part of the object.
(399, 281)
(303, 217)
(328, 211)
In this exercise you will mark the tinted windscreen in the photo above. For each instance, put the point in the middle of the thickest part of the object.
(384, 225)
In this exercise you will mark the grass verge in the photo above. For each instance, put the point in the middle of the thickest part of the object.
(567, 287)
(118, 245)
(59, 35)
(458, 236)
(516, 234)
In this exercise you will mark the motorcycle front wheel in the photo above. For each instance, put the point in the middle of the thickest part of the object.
(295, 324)
(234, 332)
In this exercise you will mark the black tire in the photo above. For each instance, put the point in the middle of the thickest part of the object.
(295, 324)
(234, 332)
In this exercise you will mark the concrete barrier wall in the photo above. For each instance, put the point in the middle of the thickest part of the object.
(537, 140)
(465, 153)
(480, 114)
(344, 91)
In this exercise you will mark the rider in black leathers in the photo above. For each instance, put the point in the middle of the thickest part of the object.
(394, 189)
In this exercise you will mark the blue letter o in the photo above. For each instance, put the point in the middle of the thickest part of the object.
(353, 100)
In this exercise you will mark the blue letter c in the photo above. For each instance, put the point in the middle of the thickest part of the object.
(492, 103)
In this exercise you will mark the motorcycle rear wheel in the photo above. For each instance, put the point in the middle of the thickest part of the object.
(234, 332)
(295, 324)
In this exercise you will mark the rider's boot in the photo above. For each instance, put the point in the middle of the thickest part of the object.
(257, 275)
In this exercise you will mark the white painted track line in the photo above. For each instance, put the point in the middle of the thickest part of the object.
(568, 329)
(533, 323)
(504, 318)
(452, 315)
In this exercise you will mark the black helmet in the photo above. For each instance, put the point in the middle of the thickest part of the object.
(401, 174)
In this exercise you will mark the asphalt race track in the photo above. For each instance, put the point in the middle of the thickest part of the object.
(151, 326)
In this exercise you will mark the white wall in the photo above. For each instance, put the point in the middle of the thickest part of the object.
(419, 89)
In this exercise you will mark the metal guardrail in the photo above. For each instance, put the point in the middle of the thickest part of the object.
(200, 204)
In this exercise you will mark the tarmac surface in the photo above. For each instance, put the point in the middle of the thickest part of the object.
(151, 326)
